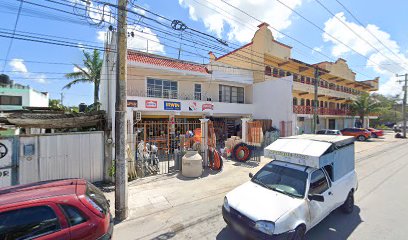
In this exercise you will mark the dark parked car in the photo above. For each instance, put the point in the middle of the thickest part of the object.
(61, 209)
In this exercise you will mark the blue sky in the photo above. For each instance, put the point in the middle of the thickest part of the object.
(384, 20)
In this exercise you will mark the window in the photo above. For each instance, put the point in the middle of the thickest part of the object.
(197, 91)
(268, 71)
(275, 72)
(302, 102)
(295, 77)
(28, 223)
(318, 182)
(73, 215)
(281, 73)
(307, 102)
(308, 80)
(295, 102)
(11, 100)
(97, 196)
(161, 88)
(302, 79)
(329, 169)
(321, 132)
(231, 94)
(288, 74)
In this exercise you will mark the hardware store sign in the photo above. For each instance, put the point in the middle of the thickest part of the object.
(168, 105)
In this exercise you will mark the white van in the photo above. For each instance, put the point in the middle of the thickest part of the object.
(310, 176)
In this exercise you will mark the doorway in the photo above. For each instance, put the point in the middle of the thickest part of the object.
(332, 123)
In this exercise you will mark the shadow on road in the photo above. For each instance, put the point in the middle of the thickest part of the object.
(336, 226)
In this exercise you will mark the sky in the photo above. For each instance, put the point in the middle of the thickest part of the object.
(370, 35)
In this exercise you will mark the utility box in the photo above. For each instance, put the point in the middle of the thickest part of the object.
(316, 151)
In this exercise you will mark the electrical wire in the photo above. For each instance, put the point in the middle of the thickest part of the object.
(12, 38)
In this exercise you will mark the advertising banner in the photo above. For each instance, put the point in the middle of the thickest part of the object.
(168, 105)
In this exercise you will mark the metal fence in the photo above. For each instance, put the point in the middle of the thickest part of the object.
(159, 146)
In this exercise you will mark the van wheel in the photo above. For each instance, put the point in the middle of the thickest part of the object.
(348, 205)
(361, 138)
(299, 233)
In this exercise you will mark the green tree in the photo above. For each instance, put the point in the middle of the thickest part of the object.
(54, 103)
(364, 105)
(90, 73)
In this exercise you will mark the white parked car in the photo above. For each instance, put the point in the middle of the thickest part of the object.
(311, 176)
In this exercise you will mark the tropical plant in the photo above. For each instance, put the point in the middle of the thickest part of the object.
(364, 105)
(55, 104)
(90, 73)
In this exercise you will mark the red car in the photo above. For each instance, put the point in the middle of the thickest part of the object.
(376, 133)
(60, 209)
(360, 134)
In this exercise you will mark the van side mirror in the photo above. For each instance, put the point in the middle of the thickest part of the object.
(316, 197)
(251, 175)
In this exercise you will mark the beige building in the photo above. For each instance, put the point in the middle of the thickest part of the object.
(270, 59)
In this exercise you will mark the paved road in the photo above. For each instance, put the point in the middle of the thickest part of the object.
(381, 210)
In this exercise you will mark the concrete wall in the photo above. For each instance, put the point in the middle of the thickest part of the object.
(273, 100)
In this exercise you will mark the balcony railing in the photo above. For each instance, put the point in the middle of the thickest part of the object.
(320, 110)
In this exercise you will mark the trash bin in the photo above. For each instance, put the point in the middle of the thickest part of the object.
(192, 164)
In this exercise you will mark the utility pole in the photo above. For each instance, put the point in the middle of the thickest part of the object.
(404, 105)
(316, 100)
(121, 188)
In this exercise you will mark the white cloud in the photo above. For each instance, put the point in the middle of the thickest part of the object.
(241, 26)
(317, 49)
(20, 69)
(140, 11)
(144, 38)
(75, 69)
(382, 62)
(80, 46)
(18, 65)
(101, 36)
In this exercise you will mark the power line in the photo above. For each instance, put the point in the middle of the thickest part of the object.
(373, 35)
(14, 31)
(286, 35)
(354, 32)
(321, 29)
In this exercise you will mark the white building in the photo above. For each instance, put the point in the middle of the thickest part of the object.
(15, 96)
(164, 89)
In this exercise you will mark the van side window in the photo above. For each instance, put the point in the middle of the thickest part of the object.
(329, 170)
(318, 182)
(28, 223)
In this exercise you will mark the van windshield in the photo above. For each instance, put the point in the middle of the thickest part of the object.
(282, 179)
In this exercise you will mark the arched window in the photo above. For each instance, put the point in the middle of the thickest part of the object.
(302, 102)
(281, 73)
(302, 79)
(268, 71)
(326, 104)
(288, 73)
(307, 102)
(275, 72)
(295, 77)
(295, 102)
(308, 80)
(321, 104)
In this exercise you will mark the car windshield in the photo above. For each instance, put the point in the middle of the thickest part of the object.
(282, 179)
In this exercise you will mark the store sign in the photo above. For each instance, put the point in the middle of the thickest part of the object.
(5, 162)
(207, 106)
(151, 104)
(168, 105)
(132, 103)
(193, 106)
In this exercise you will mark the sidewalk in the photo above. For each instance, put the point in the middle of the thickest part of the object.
(167, 203)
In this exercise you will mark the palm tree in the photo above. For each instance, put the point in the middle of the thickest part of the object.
(364, 105)
(90, 73)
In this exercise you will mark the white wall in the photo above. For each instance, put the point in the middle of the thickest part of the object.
(272, 99)
(37, 99)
